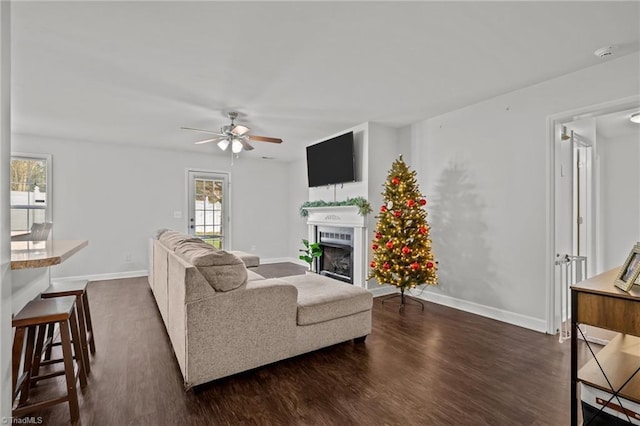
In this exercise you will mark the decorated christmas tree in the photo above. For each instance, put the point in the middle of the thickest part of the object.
(401, 246)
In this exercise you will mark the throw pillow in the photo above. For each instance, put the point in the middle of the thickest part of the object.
(222, 270)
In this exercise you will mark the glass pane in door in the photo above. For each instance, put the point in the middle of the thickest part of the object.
(207, 217)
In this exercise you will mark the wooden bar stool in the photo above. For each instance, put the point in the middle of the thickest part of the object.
(31, 319)
(78, 289)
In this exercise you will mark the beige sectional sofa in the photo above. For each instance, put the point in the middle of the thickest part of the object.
(223, 318)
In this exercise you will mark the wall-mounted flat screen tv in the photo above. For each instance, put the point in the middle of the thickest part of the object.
(331, 161)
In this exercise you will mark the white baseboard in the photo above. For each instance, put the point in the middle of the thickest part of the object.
(104, 277)
(520, 320)
(282, 260)
(596, 340)
(383, 290)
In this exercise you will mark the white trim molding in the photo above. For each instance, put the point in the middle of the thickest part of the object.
(383, 290)
(524, 321)
(270, 260)
(104, 277)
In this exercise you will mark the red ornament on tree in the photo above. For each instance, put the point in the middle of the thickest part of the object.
(398, 213)
(374, 246)
(386, 266)
(373, 264)
(406, 250)
(378, 235)
(395, 180)
(415, 266)
(422, 201)
(389, 244)
(383, 209)
(423, 229)
(430, 265)
(411, 202)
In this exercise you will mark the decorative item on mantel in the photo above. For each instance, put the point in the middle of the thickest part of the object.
(311, 251)
(401, 246)
(364, 208)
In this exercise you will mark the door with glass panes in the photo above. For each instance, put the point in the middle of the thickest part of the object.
(208, 207)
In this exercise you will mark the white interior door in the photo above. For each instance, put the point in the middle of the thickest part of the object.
(584, 196)
(208, 207)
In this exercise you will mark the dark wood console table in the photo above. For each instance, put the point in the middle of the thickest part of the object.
(599, 303)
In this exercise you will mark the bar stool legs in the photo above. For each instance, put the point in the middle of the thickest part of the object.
(89, 325)
(68, 370)
(79, 290)
(32, 320)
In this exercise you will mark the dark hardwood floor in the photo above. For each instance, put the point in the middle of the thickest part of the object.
(437, 367)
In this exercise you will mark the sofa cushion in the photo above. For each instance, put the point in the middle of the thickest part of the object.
(199, 253)
(222, 270)
(250, 260)
(252, 276)
(159, 232)
(322, 299)
(171, 239)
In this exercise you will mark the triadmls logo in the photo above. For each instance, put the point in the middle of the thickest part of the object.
(22, 420)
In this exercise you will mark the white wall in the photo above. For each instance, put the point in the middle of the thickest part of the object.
(487, 170)
(298, 194)
(384, 149)
(620, 209)
(116, 196)
(5, 235)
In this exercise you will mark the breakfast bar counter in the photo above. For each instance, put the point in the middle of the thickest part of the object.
(38, 254)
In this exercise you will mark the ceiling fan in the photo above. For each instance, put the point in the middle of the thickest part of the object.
(235, 135)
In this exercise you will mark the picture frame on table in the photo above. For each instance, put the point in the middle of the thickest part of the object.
(630, 270)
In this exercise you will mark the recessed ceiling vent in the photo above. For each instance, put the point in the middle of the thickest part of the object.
(605, 52)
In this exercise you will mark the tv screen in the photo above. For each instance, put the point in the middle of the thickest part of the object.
(331, 161)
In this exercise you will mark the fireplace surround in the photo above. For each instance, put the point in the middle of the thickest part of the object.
(341, 231)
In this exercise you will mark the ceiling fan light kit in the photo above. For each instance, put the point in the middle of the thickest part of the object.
(236, 135)
(223, 144)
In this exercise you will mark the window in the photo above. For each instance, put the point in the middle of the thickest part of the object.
(30, 190)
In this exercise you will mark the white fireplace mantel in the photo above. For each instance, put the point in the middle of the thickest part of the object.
(343, 217)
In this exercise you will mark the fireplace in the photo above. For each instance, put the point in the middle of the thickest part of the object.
(337, 247)
(341, 231)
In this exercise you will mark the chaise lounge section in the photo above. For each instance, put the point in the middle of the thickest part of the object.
(223, 318)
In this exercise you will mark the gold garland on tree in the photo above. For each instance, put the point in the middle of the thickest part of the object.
(401, 246)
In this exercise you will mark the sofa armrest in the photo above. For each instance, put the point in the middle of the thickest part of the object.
(238, 330)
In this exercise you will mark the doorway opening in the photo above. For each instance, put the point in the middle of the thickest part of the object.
(596, 201)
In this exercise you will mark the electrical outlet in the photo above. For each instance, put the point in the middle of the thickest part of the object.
(253, 248)
(127, 257)
(177, 214)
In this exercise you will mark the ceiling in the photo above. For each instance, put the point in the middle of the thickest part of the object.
(135, 72)
(618, 124)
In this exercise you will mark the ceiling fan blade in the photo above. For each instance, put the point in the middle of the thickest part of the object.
(264, 139)
(200, 130)
(245, 145)
(207, 141)
(240, 130)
